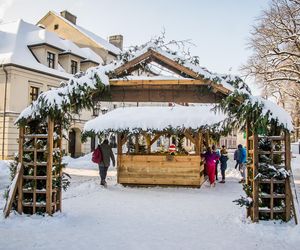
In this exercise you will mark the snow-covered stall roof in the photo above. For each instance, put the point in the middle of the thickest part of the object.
(97, 39)
(155, 118)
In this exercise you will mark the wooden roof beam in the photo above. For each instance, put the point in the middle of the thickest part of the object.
(137, 82)
(133, 64)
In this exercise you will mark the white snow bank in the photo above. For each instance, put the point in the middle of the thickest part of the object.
(147, 218)
(4, 174)
(155, 118)
(84, 162)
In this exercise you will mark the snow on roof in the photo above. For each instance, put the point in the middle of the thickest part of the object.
(276, 112)
(70, 47)
(40, 36)
(92, 56)
(15, 38)
(155, 118)
(97, 39)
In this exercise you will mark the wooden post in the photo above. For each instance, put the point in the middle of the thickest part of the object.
(272, 199)
(207, 139)
(136, 143)
(59, 207)
(34, 175)
(288, 194)
(20, 183)
(148, 142)
(49, 166)
(119, 154)
(255, 215)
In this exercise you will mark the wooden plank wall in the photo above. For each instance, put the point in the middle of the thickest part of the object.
(160, 170)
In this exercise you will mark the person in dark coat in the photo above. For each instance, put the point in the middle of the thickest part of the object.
(236, 157)
(223, 160)
(107, 155)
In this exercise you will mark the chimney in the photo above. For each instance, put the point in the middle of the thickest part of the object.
(69, 16)
(116, 40)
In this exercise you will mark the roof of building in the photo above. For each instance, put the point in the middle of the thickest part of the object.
(17, 36)
(97, 39)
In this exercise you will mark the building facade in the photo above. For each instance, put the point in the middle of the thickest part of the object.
(33, 60)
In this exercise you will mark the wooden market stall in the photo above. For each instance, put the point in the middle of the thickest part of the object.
(138, 129)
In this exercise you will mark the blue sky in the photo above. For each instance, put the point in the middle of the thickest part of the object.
(218, 28)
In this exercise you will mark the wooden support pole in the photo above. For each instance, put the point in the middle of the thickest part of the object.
(272, 199)
(148, 142)
(34, 175)
(189, 136)
(20, 183)
(255, 215)
(49, 167)
(288, 194)
(197, 143)
(248, 182)
(59, 207)
(207, 139)
(155, 138)
(136, 143)
(119, 154)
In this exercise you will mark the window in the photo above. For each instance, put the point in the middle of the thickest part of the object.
(56, 26)
(34, 92)
(51, 60)
(73, 67)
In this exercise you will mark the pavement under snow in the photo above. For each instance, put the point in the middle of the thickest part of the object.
(145, 218)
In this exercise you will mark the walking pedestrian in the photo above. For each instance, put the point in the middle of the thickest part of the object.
(216, 151)
(107, 155)
(210, 161)
(242, 162)
(223, 161)
(236, 157)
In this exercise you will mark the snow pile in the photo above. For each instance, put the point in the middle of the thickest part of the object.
(84, 162)
(4, 182)
(155, 118)
(4, 174)
(129, 218)
(276, 112)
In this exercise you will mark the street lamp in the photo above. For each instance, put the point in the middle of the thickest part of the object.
(104, 110)
(96, 108)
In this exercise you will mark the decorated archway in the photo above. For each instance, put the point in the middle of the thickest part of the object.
(133, 78)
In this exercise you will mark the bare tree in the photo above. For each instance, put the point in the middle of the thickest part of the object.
(275, 62)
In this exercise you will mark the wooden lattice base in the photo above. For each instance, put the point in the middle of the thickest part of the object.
(39, 187)
(272, 197)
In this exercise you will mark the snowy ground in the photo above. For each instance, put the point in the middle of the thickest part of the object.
(145, 218)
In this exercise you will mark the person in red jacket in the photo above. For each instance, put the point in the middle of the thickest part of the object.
(210, 160)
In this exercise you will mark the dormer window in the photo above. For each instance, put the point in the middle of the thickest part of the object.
(51, 60)
(74, 67)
